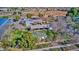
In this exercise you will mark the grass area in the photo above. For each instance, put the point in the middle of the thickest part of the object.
(4, 16)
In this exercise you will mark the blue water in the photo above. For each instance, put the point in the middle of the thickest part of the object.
(2, 20)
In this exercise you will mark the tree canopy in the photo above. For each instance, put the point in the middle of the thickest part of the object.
(20, 39)
(73, 12)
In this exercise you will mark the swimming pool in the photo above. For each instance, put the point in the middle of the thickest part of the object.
(3, 20)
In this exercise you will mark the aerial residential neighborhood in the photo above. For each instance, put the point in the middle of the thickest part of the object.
(39, 28)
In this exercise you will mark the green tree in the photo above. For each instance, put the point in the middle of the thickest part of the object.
(29, 15)
(4, 16)
(31, 39)
(67, 38)
(19, 13)
(76, 25)
(73, 12)
(23, 39)
(51, 34)
(17, 17)
(40, 15)
(14, 13)
(5, 43)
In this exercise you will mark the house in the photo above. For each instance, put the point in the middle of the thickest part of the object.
(3, 9)
(36, 23)
(4, 25)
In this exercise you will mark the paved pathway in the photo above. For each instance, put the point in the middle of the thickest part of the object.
(66, 45)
